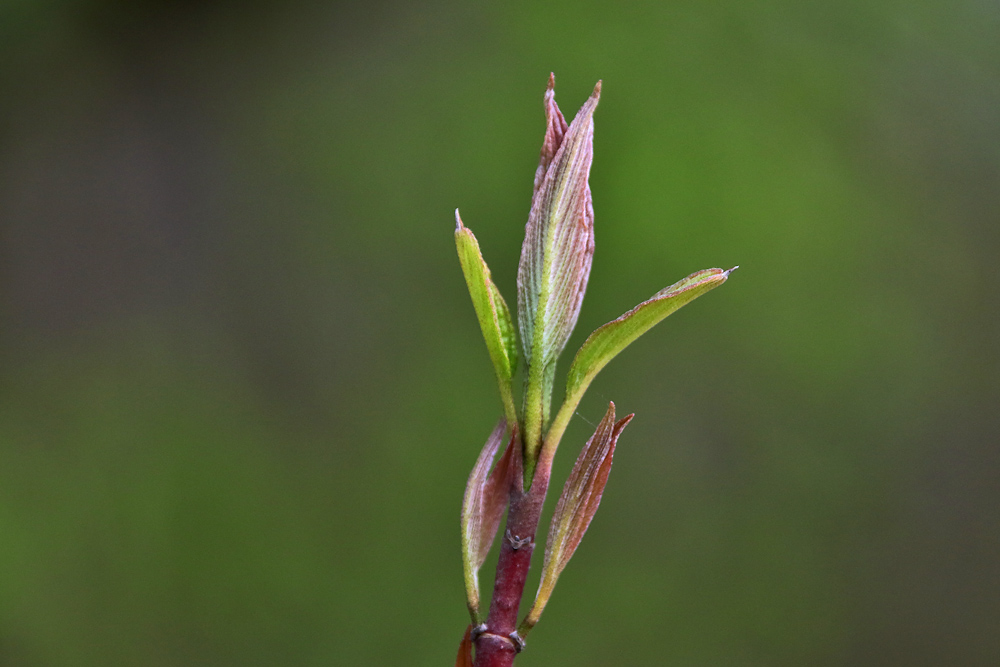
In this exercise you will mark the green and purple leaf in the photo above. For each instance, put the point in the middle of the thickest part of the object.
(607, 341)
(485, 499)
(577, 505)
(556, 255)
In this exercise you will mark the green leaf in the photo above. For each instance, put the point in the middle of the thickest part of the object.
(491, 309)
(505, 326)
(607, 341)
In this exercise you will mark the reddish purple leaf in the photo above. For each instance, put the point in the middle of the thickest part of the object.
(495, 495)
(555, 129)
(577, 505)
(482, 508)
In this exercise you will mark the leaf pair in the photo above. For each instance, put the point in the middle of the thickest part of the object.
(485, 500)
(556, 255)
(553, 272)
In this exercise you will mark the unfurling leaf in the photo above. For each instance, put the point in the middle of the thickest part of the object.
(556, 255)
(482, 508)
(610, 339)
(576, 507)
(555, 128)
(464, 657)
(491, 309)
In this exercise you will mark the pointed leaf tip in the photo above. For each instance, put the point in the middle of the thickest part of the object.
(607, 341)
(622, 423)
(597, 91)
(555, 130)
(458, 221)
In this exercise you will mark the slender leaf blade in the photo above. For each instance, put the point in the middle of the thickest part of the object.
(495, 495)
(485, 499)
(555, 129)
(608, 340)
(491, 309)
(577, 506)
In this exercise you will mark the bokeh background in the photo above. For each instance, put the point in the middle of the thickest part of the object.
(241, 383)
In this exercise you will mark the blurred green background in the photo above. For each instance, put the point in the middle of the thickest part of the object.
(242, 385)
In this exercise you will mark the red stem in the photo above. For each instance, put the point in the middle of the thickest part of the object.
(493, 647)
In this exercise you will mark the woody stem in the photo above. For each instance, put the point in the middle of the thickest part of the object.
(495, 648)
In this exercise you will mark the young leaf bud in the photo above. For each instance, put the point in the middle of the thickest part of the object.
(556, 255)
(577, 505)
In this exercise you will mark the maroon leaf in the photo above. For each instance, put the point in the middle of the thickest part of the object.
(482, 508)
(577, 505)
(555, 129)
